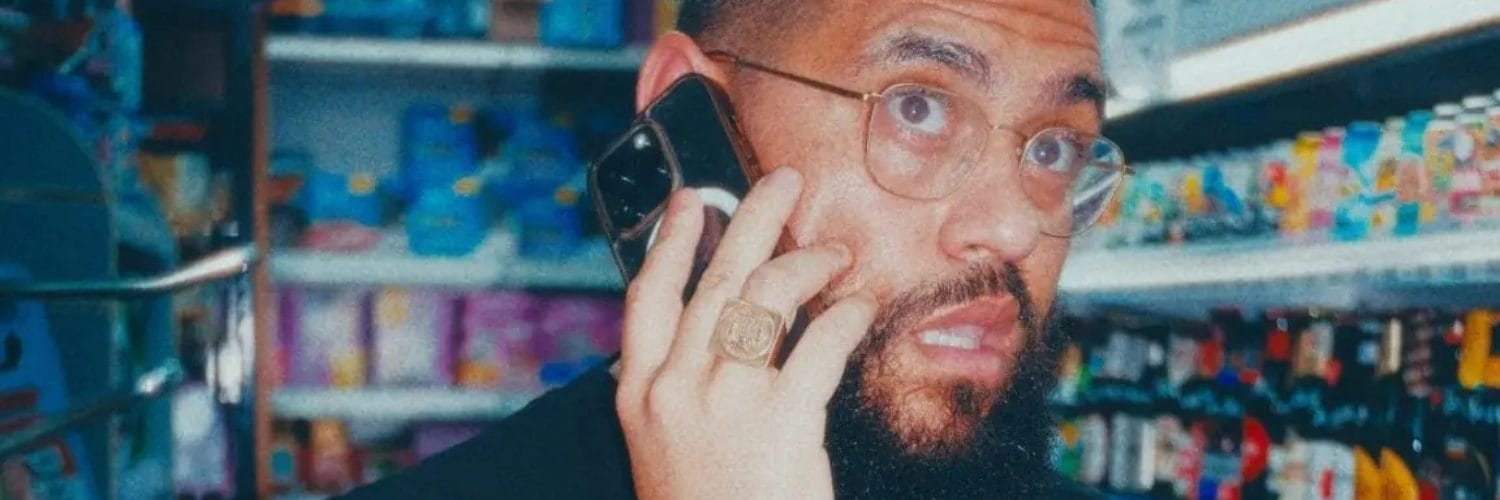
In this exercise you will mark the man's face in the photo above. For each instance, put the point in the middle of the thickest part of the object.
(952, 333)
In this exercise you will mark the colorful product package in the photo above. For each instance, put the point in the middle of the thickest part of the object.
(1413, 184)
(1439, 145)
(1386, 165)
(344, 212)
(438, 147)
(1277, 189)
(1327, 184)
(495, 348)
(1354, 182)
(575, 334)
(326, 329)
(330, 458)
(1489, 166)
(412, 337)
(1465, 192)
(514, 20)
(579, 326)
(583, 23)
(1302, 181)
(431, 439)
(448, 222)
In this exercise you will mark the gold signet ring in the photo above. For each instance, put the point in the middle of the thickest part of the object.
(748, 333)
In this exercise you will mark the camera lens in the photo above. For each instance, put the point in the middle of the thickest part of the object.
(634, 179)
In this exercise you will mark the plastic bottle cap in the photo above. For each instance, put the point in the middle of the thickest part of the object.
(1447, 110)
(361, 183)
(1478, 102)
(467, 186)
(460, 114)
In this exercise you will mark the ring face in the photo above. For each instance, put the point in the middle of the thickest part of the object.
(748, 333)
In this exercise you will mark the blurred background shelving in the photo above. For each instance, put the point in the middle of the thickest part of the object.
(412, 170)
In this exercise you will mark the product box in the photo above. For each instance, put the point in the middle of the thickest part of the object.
(330, 458)
(514, 20)
(431, 439)
(576, 327)
(324, 331)
(495, 344)
(412, 337)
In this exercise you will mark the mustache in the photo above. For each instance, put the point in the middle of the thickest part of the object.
(973, 283)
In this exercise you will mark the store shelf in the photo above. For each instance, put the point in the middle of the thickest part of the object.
(445, 54)
(1364, 61)
(494, 265)
(1445, 267)
(1318, 42)
(438, 404)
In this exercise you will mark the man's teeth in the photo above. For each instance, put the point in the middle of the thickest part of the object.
(957, 338)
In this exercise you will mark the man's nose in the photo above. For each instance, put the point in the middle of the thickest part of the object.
(990, 217)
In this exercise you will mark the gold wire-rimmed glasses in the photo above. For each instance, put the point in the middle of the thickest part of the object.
(921, 142)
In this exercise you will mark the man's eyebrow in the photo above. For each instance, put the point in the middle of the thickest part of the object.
(1082, 88)
(961, 58)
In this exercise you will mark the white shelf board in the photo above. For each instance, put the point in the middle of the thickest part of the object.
(1273, 273)
(397, 404)
(1360, 31)
(461, 54)
(494, 264)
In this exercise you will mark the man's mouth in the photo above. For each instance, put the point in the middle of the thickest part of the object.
(975, 341)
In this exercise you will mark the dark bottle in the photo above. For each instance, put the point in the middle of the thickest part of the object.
(1178, 454)
(1132, 433)
(1394, 422)
(1429, 362)
(1464, 471)
(1219, 422)
(1466, 474)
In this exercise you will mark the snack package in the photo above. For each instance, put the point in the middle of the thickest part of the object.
(575, 334)
(330, 458)
(495, 344)
(1489, 166)
(1439, 144)
(1413, 184)
(326, 331)
(412, 337)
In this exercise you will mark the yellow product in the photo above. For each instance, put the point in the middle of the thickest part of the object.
(1398, 483)
(1302, 182)
(1368, 482)
(1474, 352)
(1481, 323)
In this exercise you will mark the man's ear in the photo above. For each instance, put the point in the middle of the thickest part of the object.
(671, 56)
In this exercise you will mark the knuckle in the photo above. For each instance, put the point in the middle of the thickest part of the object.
(769, 277)
(661, 402)
(714, 279)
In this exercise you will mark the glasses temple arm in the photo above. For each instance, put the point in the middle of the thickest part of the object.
(725, 57)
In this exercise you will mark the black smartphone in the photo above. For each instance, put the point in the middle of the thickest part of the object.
(686, 139)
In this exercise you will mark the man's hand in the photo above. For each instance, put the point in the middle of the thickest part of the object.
(698, 426)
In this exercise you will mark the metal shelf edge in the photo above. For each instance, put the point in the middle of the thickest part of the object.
(470, 54)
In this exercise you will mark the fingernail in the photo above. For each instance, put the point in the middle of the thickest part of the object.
(680, 201)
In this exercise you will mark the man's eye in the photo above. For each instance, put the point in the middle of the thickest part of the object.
(1053, 153)
(919, 111)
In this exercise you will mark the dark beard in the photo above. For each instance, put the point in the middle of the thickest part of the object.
(993, 446)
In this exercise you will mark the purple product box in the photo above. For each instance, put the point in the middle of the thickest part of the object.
(577, 327)
(323, 333)
(431, 439)
(496, 343)
(412, 337)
